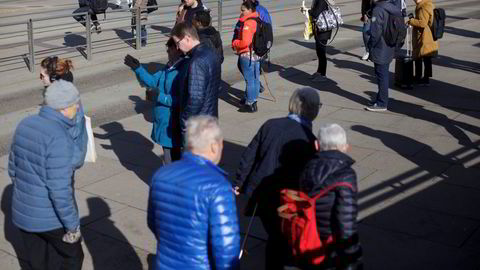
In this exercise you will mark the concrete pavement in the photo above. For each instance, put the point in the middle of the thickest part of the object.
(418, 164)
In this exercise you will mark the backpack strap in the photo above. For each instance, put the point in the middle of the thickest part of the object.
(329, 188)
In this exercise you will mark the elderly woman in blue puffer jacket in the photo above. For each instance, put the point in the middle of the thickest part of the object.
(165, 83)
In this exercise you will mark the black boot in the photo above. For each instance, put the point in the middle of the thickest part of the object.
(252, 107)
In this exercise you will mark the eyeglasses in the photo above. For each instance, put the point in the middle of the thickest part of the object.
(178, 42)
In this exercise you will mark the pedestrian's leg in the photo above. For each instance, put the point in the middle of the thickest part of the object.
(80, 18)
(320, 49)
(167, 155)
(144, 35)
(261, 71)
(71, 254)
(36, 249)
(427, 61)
(382, 74)
(94, 18)
(248, 68)
(366, 37)
(418, 69)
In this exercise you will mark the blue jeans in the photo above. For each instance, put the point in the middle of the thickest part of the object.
(366, 33)
(251, 73)
(382, 74)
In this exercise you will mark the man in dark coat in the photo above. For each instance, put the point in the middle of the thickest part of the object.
(200, 86)
(207, 33)
(380, 53)
(274, 160)
(336, 211)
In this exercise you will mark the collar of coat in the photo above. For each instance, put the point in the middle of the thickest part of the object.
(203, 161)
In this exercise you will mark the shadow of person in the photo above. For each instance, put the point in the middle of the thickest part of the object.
(125, 36)
(428, 161)
(12, 233)
(451, 125)
(134, 151)
(161, 29)
(461, 32)
(112, 251)
(144, 107)
(74, 40)
(230, 94)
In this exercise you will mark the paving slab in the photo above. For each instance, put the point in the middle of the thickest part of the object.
(92, 172)
(129, 226)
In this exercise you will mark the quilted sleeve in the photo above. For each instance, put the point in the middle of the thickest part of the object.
(148, 79)
(59, 181)
(223, 227)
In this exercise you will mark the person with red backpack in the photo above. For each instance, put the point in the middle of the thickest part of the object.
(337, 210)
(248, 62)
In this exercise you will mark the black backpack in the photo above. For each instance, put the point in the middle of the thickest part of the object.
(396, 31)
(438, 24)
(263, 38)
(99, 6)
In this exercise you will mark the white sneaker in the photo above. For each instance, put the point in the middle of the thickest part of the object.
(314, 75)
(320, 78)
(365, 56)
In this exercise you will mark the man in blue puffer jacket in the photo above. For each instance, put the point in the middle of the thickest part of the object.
(191, 208)
(202, 81)
(41, 168)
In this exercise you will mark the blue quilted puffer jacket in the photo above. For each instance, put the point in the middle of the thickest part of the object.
(202, 83)
(193, 214)
(41, 168)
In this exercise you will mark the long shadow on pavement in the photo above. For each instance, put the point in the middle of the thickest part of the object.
(112, 251)
(11, 233)
(134, 151)
(435, 210)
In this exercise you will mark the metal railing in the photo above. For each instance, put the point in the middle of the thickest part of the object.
(29, 58)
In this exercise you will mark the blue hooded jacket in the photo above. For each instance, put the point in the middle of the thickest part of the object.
(41, 168)
(380, 52)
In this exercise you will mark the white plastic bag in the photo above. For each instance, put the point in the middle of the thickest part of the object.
(91, 155)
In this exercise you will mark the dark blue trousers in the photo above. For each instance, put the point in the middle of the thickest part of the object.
(382, 74)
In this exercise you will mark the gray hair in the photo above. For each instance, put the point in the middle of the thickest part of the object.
(305, 102)
(202, 130)
(331, 137)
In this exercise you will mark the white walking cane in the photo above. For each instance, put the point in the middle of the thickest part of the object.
(242, 250)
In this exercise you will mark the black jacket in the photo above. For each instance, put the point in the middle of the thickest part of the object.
(274, 159)
(367, 6)
(337, 211)
(211, 36)
(190, 12)
(318, 6)
(201, 84)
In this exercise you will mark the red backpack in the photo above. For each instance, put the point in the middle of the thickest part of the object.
(299, 224)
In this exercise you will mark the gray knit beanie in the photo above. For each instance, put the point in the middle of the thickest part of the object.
(61, 94)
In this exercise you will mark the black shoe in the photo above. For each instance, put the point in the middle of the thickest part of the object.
(252, 107)
(376, 108)
(425, 81)
(242, 101)
(262, 89)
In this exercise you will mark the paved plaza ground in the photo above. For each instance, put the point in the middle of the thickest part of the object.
(418, 165)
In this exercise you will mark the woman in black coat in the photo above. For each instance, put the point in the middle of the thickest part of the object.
(321, 40)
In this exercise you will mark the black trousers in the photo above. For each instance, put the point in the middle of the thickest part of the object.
(427, 62)
(46, 251)
(321, 50)
(81, 18)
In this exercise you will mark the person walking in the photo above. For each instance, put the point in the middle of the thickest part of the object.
(54, 69)
(41, 168)
(165, 84)
(321, 40)
(273, 160)
(187, 10)
(191, 206)
(424, 47)
(85, 6)
(201, 82)
(336, 212)
(248, 62)
(207, 33)
(142, 5)
(380, 53)
(367, 6)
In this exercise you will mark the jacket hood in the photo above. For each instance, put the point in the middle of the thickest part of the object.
(50, 113)
(327, 163)
(390, 7)
(251, 15)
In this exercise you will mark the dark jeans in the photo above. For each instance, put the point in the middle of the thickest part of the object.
(171, 154)
(46, 251)
(427, 62)
(81, 18)
(383, 76)
(321, 50)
